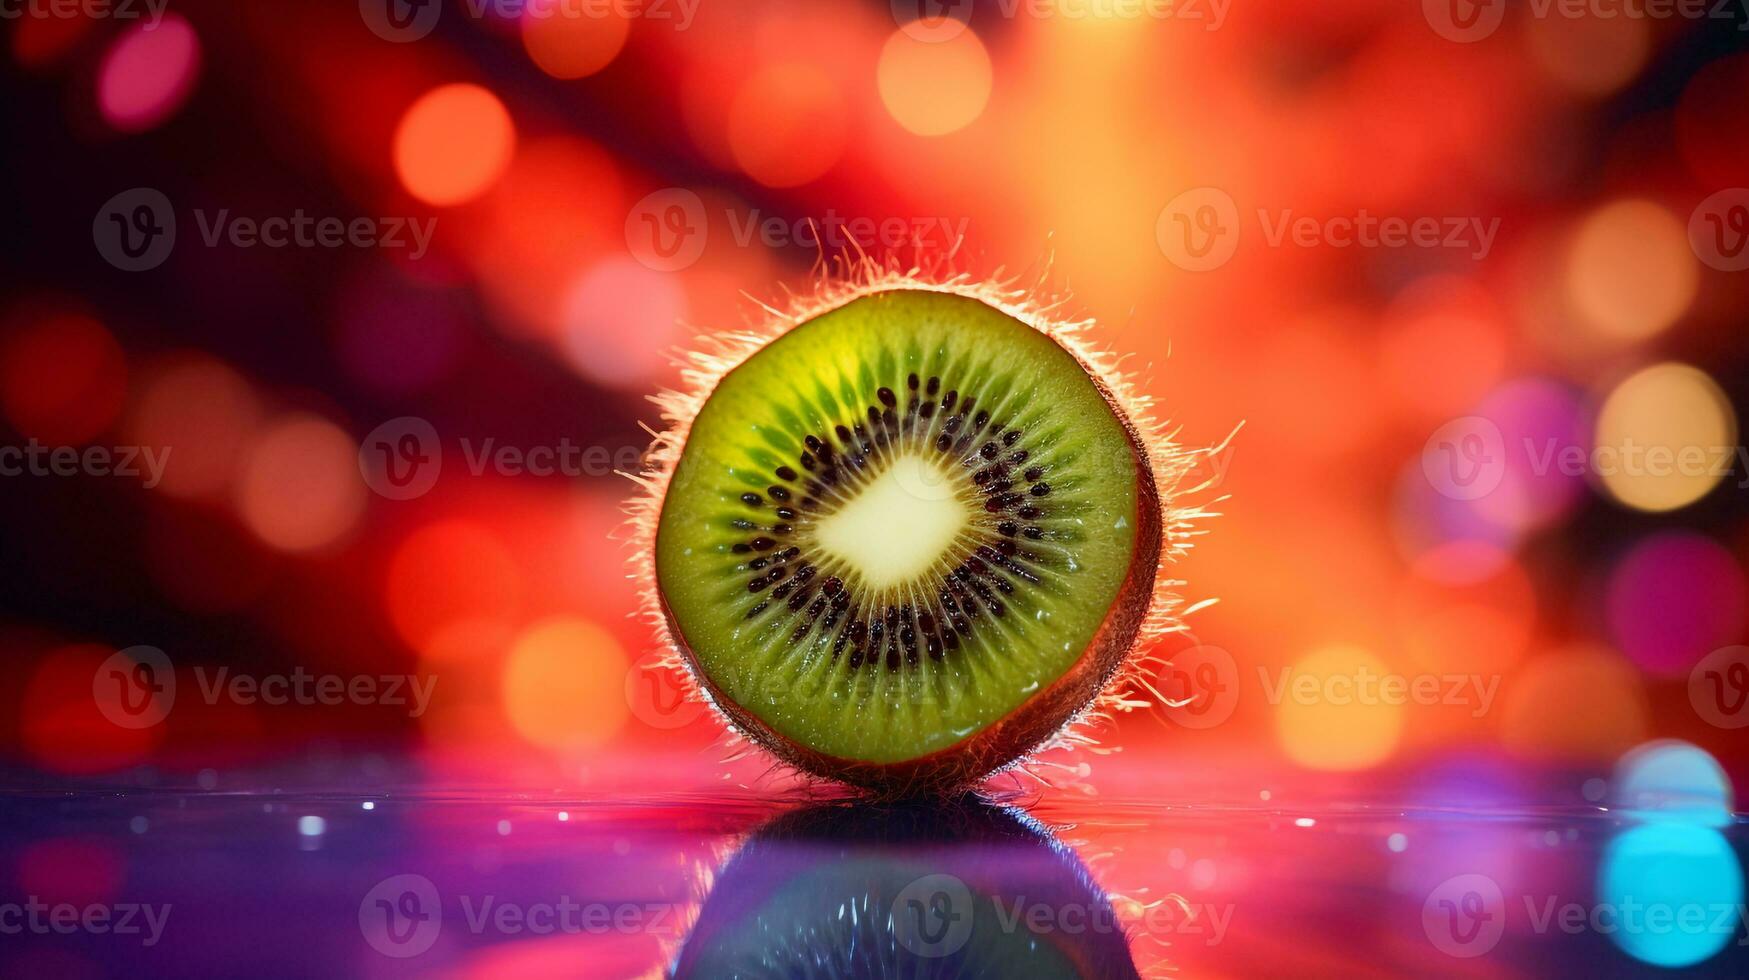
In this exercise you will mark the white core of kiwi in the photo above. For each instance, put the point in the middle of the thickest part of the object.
(899, 524)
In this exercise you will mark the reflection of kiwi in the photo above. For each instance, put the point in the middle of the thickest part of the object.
(907, 540)
(916, 890)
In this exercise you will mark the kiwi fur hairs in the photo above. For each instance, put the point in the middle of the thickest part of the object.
(869, 572)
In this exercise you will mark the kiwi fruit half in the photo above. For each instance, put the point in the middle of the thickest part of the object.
(907, 540)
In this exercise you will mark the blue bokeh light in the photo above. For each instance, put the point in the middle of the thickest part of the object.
(1670, 894)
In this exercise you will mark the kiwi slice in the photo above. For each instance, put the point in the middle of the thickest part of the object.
(907, 540)
(918, 890)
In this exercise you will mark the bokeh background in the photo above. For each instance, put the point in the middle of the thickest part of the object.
(599, 190)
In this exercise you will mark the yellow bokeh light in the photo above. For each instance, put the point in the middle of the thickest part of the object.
(563, 684)
(1630, 272)
(1332, 713)
(1573, 705)
(934, 88)
(1665, 437)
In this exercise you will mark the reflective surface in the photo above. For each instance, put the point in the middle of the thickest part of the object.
(1459, 876)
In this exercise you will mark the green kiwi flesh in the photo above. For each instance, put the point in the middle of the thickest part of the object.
(907, 540)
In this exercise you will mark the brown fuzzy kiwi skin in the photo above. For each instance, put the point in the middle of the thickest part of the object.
(1023, 730)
